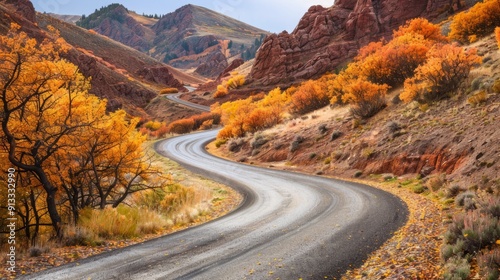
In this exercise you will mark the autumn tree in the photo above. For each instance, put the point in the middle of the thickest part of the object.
(233, 116)
(109, 166)
(58, 136)
(393, 62)
(445, 70)
(36, 85)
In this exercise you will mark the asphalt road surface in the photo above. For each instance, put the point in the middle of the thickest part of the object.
(177, 98)
(289, 226)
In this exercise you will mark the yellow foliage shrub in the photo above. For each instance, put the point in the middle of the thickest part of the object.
(169, 90)
(479, 20)
(181, 126)
(153, 125)
(252, 114)
(235, 81)
(221, 91)
(366, 98)
(442, 74)
(309, 97)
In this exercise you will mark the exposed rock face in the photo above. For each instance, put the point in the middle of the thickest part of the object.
(215, 64)
(125, 29)
(159, 75)
(233, 65)
(24, 8)
(326, 37)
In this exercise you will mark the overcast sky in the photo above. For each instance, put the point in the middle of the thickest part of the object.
(269, 15)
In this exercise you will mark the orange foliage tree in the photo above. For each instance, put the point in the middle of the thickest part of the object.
(444, 71)
(50, 125)
(422, 26)
(479, 20)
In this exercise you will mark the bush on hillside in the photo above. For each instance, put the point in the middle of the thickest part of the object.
(480, 20)
(366, 98)
(309, 97)
(445, 70)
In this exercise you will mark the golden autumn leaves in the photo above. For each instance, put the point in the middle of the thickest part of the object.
(69, 152)
(418, 57)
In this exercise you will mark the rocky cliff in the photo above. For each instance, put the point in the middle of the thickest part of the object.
(327, 37)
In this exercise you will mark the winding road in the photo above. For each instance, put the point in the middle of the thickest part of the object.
(289, 226)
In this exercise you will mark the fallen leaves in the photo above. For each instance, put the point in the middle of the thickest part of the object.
(414, 250)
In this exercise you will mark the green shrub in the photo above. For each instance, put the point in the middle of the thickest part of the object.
(489, 264)
(456, 269)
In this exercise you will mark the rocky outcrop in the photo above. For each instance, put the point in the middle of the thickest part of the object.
(326, 37)
(120, 26)
(233, 65)
(214, 64)
(24, 8)
(159, 75)
(107, 84)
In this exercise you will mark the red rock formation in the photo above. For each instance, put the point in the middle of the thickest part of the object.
(127, 30)
(24, 8)
(326, 37)
(214, 64)
(160, 75)
(233, 65)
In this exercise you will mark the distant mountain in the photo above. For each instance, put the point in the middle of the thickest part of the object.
(192, 37)
(67, 18)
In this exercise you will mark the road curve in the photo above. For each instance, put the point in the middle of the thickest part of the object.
(176, 98)
(289, 226)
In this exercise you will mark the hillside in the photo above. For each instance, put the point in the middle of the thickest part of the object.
(325, 38)
(415, 114)
(455, 137)
(192, 37)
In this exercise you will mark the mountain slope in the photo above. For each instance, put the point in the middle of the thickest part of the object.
(191, 37)
(327, 37)
(118, 23)
(130, 83)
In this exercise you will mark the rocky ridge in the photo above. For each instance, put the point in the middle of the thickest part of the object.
(191, 37)
(327, 37)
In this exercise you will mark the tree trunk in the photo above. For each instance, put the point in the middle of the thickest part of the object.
(37, 218)
(53, 213)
